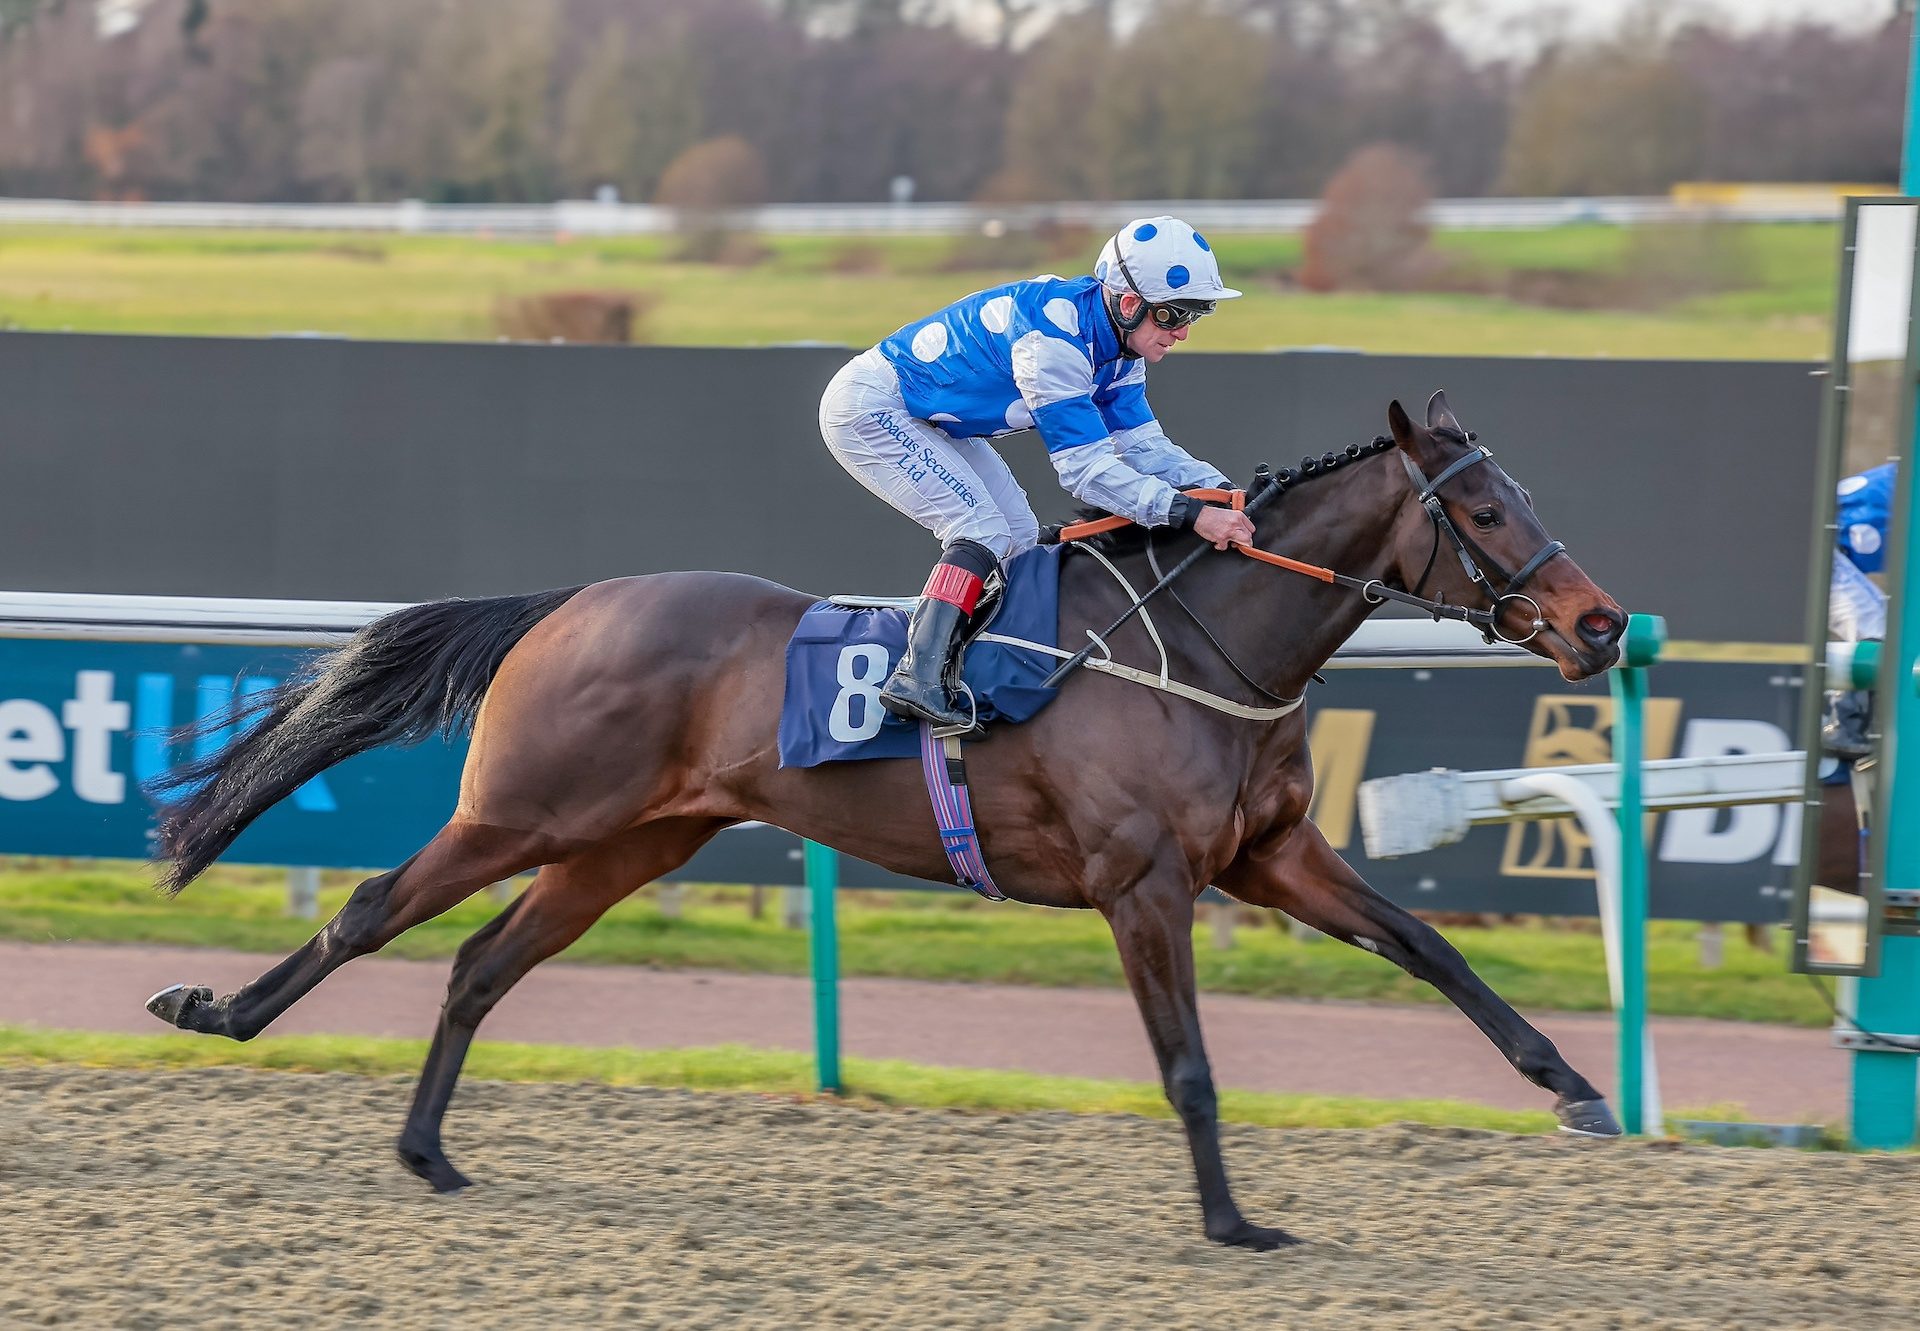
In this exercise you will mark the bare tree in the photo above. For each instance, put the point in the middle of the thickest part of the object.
(1371, 232)
(1774, 105)
(1011, 99)
(1612, 117)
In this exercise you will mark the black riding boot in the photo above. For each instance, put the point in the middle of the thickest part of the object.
(1845, 731)
(917, 688)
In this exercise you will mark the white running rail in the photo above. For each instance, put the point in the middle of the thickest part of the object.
(586, 217)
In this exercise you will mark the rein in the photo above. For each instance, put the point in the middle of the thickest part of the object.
(1373, 590)
(1238, 498)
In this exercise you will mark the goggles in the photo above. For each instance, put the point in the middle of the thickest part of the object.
(1178, 314)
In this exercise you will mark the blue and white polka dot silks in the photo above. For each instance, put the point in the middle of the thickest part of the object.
(1865, 502)
(1035, 354)
(1043, 355)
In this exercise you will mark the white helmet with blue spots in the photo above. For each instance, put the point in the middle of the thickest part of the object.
(1161, 260)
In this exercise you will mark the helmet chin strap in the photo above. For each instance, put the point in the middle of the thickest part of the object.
(1124, 326)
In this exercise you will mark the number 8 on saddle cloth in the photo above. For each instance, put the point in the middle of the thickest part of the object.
(840, 655)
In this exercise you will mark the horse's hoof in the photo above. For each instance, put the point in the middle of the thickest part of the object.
(435, 1168)
(1257, 1237)
(173, 1003)
(1586, 1118)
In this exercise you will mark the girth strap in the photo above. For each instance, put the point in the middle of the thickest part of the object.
(946, 773)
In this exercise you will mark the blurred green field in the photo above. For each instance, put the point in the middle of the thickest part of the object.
(930, 935)
(1772, 299)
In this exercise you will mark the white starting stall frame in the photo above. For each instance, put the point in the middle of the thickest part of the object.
(1404, 815)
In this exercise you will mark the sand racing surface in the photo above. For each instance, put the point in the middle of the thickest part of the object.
(230, 1199)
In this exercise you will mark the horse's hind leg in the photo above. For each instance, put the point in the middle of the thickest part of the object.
(460, 860)
(1153, 928)
(1303, 876)
(563, 902)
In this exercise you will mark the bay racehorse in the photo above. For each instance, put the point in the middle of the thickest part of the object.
(617, 727)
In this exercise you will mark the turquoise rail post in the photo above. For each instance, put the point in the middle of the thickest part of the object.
(823, 885)
(1910, 154)
(1645, 636)
(1884, 1109)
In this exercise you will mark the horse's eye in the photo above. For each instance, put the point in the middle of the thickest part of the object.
(1486, 519)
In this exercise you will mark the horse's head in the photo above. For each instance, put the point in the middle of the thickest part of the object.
(1461, 502)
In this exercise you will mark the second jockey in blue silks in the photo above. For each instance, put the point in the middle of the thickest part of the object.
(1856, 608)
(1067, 357)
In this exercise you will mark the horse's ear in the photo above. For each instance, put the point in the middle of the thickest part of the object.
(1400, 423)
(1440, 414)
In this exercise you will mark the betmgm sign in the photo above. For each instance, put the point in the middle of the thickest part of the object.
(1732, 864)
(83, 731)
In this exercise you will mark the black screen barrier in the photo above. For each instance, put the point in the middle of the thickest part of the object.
(343, 470)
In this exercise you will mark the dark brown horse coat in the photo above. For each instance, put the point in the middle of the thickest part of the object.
(621, 725)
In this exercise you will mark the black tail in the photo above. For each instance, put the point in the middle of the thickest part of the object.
(400, 679)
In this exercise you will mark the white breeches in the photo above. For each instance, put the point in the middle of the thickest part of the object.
(955, 488)
(1856, 608)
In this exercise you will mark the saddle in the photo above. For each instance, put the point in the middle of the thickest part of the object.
(993, 595)
(845, 646)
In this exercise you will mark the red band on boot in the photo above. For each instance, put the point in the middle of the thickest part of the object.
(955, 586)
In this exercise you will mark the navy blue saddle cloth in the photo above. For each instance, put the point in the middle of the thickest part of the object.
(839, 656)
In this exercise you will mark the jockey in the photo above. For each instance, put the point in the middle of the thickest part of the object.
(1856, 608)
(911, 419)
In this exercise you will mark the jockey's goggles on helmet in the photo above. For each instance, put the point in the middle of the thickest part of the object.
(1168, 315)
(1178, 313)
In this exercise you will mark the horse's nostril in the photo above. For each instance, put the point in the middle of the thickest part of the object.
(1599, 626)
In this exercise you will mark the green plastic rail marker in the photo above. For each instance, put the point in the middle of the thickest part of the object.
(1646, 634)
(823, 884)
(1646, 639)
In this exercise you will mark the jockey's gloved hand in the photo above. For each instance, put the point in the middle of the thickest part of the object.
(1219, 526)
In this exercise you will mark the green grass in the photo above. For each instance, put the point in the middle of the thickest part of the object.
(438, 288)
(732, 1068)
(936, 936)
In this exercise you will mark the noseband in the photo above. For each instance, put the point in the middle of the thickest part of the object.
(1487, 621)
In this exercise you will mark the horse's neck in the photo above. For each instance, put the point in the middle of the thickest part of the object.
(1280, 625)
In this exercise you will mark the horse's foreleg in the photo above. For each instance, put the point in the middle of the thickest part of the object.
(459, 861)
(1153, 928)
(1304, 877)
(562, 904)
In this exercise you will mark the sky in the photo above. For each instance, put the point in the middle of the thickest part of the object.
(1495, 29)
(1501, 27)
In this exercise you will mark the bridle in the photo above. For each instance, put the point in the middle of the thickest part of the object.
(1488, 620)
(1269, 485)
